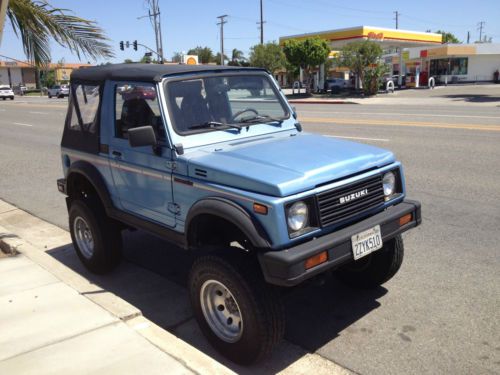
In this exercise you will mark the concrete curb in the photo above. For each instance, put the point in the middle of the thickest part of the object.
(32, 237)
(188, 356)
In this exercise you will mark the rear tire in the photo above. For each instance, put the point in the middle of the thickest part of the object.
(375, 269)
(96, 238)
(239, 314)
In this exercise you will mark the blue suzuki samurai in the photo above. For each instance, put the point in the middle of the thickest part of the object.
(214, 160)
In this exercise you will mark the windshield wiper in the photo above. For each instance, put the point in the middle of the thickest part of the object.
(214, 125)
(261, 119)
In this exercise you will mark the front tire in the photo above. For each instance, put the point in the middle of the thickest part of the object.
(96, 238)
(375, 269)
(237, 312)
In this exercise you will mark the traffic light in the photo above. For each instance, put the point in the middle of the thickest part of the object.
(121, 45)
(135, 44)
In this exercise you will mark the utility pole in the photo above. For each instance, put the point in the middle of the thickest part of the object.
(468, 37)
(221, 23)
(154, 16)
(261, 23)
(480, 27)
(397, 18)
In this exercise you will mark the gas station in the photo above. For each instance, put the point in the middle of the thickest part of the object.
(391, 40)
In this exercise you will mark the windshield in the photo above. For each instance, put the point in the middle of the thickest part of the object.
(223, 103)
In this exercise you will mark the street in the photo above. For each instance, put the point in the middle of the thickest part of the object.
(440, 314)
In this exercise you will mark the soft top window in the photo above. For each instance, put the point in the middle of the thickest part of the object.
(84, 104)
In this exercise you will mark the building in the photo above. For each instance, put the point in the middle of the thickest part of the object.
(452, 63)
(15, 73)
(389, 39)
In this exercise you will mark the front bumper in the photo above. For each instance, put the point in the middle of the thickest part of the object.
(287, 267)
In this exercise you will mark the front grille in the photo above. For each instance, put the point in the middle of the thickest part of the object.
(331, 211)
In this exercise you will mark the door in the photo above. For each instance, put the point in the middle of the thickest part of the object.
(143, 179)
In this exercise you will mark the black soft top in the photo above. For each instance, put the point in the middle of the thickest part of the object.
(145, 72)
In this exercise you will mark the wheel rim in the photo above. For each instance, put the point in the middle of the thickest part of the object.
(221, 311)
(83, 236)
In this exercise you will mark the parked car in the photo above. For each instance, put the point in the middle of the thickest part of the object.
(147, 93)
(336, 84)
(6, 92)
(58, 91)
(20, 89)
(232, 178)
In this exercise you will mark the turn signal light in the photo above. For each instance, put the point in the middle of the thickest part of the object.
(316, 260)
(260, 209)
(405, 219)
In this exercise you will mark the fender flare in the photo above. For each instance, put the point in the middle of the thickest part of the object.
(232, 212)
(94, 177)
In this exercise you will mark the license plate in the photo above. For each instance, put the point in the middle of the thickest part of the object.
(366, 242)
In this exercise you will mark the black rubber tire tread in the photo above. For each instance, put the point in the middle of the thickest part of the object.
(245, 281)
(378, 267)
(105, 232)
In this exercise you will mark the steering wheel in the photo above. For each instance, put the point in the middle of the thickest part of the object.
(239, 113)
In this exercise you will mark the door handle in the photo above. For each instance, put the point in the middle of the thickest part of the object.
(117, 154)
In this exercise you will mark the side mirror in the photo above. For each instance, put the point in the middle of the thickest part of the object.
(142, 136)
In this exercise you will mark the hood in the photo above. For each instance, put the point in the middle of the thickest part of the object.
(284, 166)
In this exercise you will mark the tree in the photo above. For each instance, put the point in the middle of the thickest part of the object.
(306, 54)
(363, 59)
(216, 58)
(48, 78)
(127, 61)
(37, 22)
(269, 56)
(448, 37)
(205, 54)
(146, 59)
(237, 55)
(177, 57)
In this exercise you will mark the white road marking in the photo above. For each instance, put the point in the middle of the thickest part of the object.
(399, 114)
(39, 113)
(359, 138)
(21, 124)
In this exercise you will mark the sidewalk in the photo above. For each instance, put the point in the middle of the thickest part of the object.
(456, 95)
(56, 318)
(53, 321)
(49, 328)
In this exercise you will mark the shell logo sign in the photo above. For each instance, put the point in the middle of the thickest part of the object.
(190, 59)
(376, 36)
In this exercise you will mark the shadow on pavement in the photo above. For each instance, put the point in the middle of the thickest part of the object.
(153, 279)
(473, 98)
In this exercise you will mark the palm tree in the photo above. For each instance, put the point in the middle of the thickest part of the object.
(237, 55)
(36, 22)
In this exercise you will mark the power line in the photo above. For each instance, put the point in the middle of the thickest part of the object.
(221, 23)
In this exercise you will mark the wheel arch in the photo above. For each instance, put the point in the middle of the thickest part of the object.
(230, 211)
(83, 169)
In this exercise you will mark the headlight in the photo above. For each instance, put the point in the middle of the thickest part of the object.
(389, 182)
(297, 216)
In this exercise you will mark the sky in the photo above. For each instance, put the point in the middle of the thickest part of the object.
(187, 24)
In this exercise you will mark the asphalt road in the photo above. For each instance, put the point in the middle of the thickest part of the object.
(440, 314)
